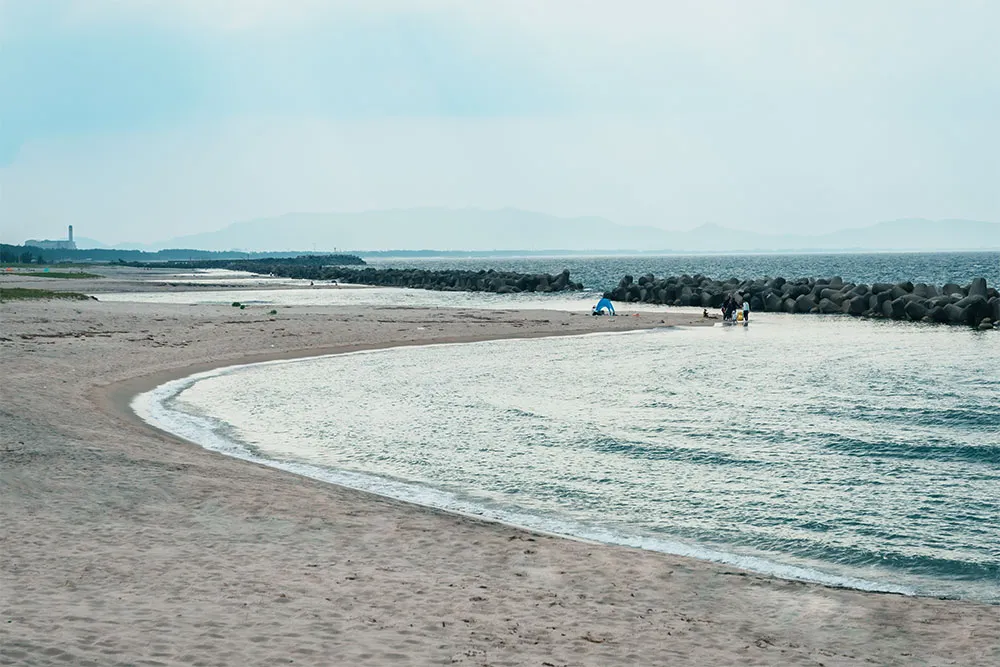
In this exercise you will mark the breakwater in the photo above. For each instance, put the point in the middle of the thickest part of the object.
(343, 268)
(500, 282)
(975, 304)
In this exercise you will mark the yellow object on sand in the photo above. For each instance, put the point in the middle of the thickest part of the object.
(739, 317)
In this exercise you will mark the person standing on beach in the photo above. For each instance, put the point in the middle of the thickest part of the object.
(746, 310)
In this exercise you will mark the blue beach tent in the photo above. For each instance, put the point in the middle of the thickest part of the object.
(604, 304)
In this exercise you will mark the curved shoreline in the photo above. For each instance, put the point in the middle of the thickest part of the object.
(120, 545)
(758, 565)
(117, 397)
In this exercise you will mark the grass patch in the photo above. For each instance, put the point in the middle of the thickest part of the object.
(23, 293)
(55, 274)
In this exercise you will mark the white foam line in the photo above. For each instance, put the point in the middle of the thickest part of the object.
(152, 408)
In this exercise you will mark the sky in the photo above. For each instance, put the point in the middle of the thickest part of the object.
(140, 120)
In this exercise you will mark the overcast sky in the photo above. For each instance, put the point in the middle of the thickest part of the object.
(139, 120)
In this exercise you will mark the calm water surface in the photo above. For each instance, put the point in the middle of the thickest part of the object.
(829, 449)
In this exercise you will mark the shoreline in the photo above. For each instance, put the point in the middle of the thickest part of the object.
(124, 394)
(118, 396)
(123, 543)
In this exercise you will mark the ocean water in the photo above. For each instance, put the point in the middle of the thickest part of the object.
(848, 452)
(603, 273)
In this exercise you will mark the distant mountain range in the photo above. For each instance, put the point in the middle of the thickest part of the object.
(513, 229)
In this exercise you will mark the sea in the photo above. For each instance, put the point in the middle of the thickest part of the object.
(603, 272)
(849, 452)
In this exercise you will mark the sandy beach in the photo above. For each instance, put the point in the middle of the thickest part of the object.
(122, 545)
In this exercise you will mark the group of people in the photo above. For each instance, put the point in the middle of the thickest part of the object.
(736, 308)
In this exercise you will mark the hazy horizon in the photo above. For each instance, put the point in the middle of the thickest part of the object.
(304, 242)
(150, 120)
(505, 230)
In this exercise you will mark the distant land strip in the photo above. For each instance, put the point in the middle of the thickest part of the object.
(302, 266)
(26, 254)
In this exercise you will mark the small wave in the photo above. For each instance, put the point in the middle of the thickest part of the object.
(974, 417)
(883, 556)
(988, 454)
(522, 414)
(658, 452)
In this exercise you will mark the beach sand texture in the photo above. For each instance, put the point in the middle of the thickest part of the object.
(123, 545)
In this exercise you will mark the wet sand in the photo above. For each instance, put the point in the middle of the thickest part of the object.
(123, 545)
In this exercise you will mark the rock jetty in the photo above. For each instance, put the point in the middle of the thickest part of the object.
(501, 282)
(343, 268)
(975, 304)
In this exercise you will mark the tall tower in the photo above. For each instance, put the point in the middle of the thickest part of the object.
(71, 233)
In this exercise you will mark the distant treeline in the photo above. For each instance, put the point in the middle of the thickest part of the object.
(16, 254)
(302, 266)
(20, 254)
